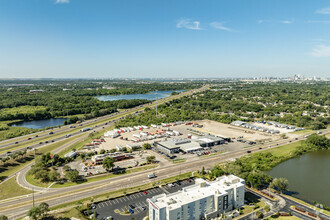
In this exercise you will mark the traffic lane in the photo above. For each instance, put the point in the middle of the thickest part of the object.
(85, 190)
(61, 129)
(138, 200)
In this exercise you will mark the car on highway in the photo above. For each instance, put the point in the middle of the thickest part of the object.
(51, 133)
(16, 142)
(36, 136)
(40, 142)
(9, 153)
(248, 151)
(29, 138)
(152, 175)
(46, 142)
(53, 141)
(68, 135)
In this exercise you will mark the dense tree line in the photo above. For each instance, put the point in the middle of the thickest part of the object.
(303, 105)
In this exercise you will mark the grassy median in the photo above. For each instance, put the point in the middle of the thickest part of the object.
(10, 189)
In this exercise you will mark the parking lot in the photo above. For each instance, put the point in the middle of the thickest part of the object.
(137, 202)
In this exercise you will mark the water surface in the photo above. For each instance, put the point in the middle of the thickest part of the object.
(308, 175)
(153, 95)
(39, 124)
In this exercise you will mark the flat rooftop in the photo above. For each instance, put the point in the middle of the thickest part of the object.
(201, 189)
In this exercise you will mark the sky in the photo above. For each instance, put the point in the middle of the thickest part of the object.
(164, 38)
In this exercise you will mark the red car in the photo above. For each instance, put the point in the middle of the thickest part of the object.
(145, 192)
(29, 138)
(189, 180)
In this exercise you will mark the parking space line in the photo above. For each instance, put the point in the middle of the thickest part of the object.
(109, 203)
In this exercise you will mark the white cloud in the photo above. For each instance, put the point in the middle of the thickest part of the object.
(324, 11)
(61, 1)
(287, 22)
(220, 26)
(276, 21)
(188, 24)
(321, 51)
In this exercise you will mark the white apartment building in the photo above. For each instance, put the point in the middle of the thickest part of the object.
(203, 200)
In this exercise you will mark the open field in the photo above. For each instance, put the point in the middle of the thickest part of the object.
(10, 189)
(102, 176)
(285, 150)
(227, 130)
(9, 170)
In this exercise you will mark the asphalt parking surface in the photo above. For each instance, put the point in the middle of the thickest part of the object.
(138, 200)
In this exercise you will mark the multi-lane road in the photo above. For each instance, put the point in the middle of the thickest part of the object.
(39, 139)
(54, 196)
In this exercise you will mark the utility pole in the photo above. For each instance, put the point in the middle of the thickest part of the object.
(156, 102)
(35, 160)
(33, 196)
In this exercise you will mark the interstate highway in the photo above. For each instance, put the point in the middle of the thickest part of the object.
(54, 196)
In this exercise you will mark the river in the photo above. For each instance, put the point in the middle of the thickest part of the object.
(153, 95)
(308, 175)
(39, 124)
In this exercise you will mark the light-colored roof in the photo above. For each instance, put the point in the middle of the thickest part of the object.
(201, 189)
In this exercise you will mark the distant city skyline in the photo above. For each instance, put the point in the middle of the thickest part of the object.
(164, 38)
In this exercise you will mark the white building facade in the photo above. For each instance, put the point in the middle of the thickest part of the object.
(203, 200)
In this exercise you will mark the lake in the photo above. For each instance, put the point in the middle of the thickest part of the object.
(153, 95)
(308, 175)
(38, 124)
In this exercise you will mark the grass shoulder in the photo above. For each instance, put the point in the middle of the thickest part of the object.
(104, 176)
(10, 189)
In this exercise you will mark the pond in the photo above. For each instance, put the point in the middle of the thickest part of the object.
(153, 95)
(308, 175)
(39, 124)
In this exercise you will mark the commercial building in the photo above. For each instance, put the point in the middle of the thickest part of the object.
(203, 200)
(174, 145)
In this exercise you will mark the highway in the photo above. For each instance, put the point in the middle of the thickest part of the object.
(54, 196)
(21, 143)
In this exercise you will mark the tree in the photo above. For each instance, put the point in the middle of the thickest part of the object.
(108, 163)
(53, 175)
(34, 213)
(146, 146)
(102, 151)
(280, 183)
(216, 172)
(3, 217)
(44, 208)
(151, 159)
(321, 142)
(259, 214)
(42, 175)
(72, 175)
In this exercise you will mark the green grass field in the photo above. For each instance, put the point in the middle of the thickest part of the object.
(285, 150)
(30, 179)
(10, 189)
(12, 169)
(102, 177)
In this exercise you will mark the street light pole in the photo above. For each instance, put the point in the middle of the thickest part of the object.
(156, 102)
(32, 196)
(35, 163)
